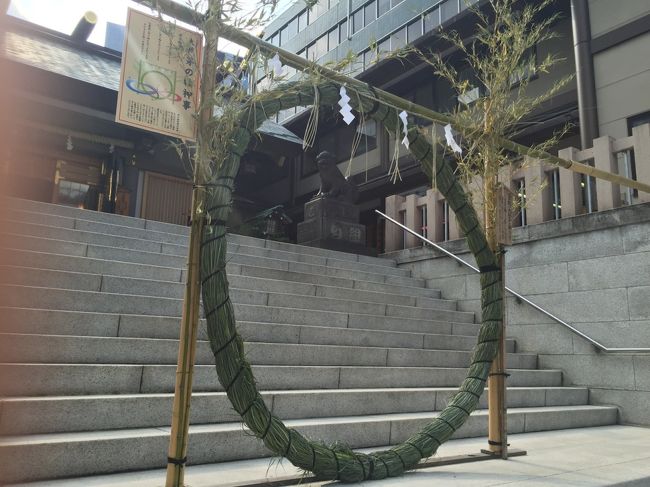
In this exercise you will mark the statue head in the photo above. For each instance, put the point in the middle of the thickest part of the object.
(325, 159)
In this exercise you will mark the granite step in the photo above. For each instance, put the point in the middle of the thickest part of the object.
(377, 274)
(60, 414)
(89, 379)
(49, 456)
(78, 323)
(13, 205)
(80, 264)
(84, 281)
(57, 349)
(20, 231)
(75, 300)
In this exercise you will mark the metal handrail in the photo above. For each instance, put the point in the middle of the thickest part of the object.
(595, 343)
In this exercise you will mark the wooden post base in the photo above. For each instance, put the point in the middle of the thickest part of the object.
(430, 463)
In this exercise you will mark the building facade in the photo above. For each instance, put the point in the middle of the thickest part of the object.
(608, 98)
(62, 144)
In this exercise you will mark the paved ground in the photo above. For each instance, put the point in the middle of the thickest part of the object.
(612, 455)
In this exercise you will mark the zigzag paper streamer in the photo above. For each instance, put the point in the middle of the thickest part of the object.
(451, 142)
(276, 65)
(346, 109)
(404, 117)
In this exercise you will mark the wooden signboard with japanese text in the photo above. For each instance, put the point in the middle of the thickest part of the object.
(159, 79)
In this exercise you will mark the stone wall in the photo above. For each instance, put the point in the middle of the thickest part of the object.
(592, 271)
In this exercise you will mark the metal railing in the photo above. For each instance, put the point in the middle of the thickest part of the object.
(521, 298)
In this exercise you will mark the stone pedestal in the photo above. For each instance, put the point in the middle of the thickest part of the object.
(332, 224)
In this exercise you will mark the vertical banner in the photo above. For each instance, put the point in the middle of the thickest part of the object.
(159, 78)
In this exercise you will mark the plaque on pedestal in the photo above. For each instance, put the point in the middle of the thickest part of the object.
(331, 217)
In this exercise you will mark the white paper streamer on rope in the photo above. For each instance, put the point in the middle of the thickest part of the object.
(404, 116)
(346, 109)
(276, 65)
(451, 142)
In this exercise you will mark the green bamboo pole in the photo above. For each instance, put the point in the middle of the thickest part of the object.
(179, 436)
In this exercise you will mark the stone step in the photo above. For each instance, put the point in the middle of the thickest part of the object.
(76, 323)
(110, 267)
(71, 263)
(60, 414)
(74, 263)
(15, 204)
(20, 231)
(32, 276)
(46, 349)
(50, 456)
(12, 205)
(172, 234)
(88, 379)
(104, 302)
(81, 224)
(63, 247)
(414, 289)
(79, 320)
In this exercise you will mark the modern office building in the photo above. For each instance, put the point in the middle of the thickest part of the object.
(609, 97)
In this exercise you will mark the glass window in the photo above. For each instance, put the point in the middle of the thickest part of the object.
(383, 6)
(555, 199)
(414, 30)
(333, 38)
(369, 58)
(343, 31)
(368, 141)
(356, 66)
(520, 191)
(526, 69)
(72, 194)
(383, 47)
(289, 31)
(398, 39)
(395, 2)
(466, 3)
(357, 21)
(275, 40)
(303, 21)
(370, 13)
(431, 20)
(318, 9)
(424, 97)
(320, 47)
(449, 9)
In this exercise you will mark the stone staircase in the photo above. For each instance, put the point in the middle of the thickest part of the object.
(345, 347)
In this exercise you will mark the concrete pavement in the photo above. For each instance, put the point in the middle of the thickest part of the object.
(588, 457)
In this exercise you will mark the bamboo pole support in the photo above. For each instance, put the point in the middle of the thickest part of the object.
(497, 409)
(497, 392)
(178, 441)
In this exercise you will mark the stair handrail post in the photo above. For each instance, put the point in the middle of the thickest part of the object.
(179, 435)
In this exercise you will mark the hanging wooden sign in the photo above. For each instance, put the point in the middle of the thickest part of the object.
(159, 78)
